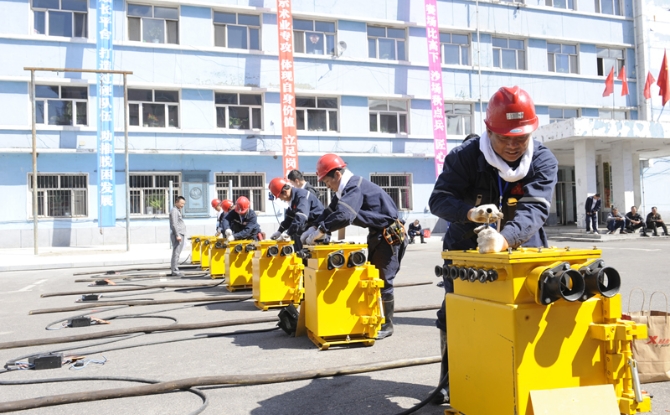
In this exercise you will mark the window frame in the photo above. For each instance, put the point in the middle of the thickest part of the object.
(553, 119)
(302, 34)
(569, 4)
(499, 50)
(387, 112)
(141, 122)
(600, 61)
(44, 205)
(44, 103)
(226, 107)
(249, 28)
(616, 7)
(626, 114)
(142, 191)
(47, 11)
(247, 191)
(466, 127)
(408, 187)
(460, 46)
(376, 38)
(325, 194)
(551, 58)
(153, 17)
(306, 116)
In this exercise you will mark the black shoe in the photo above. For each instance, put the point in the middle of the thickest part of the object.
(424, 242)
(644, 234)
(176, 274)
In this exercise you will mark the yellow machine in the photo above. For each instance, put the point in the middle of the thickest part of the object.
(217, 258)
(342, 296)
(205, 244)
(539, 330)
(238, 264)
(277, 275)
(195, 248)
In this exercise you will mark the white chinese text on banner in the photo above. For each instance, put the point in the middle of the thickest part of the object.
(287, 93)
(106, 182)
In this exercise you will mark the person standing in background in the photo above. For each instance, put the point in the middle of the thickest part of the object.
(592, 207)
(177, 235)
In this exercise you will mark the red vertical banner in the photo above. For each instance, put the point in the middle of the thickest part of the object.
(287, 94)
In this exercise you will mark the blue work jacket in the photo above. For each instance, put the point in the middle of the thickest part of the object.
(303, 210)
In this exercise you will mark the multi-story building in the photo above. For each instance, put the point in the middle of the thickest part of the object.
(203, 101)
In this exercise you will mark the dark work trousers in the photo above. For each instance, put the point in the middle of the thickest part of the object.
(414, 234)
(386, 259)
(652, 225)
(592, 222)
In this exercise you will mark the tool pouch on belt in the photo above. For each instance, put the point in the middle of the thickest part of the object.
(395, 233)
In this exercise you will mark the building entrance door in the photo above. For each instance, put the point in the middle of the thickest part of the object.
(566, 201)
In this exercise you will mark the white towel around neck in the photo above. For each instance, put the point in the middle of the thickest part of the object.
(346, 176)
(506, 172)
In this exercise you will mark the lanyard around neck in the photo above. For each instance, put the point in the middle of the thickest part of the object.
(502, 191)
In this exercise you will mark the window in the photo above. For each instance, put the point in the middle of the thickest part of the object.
(68, 18)
(562, 58)
(388, 116)
(150, 193)
(325, 194)
(561, 4)
(313, 37)
(608, 114)
(150, 108)
(560, 114)
(459, 118)
(153, 24)
(249, 185)
(316, 113)
(608, 7)
(398, 186)
(61, 195)
(61, 105)
(238, 111)
(608, 59)
(386, 43)
(455, 49)
(237, 31)
(509, 53)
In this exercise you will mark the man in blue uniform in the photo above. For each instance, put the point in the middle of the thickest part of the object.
(504, 176)
(362, 203)
(241, 222)
(303, 210)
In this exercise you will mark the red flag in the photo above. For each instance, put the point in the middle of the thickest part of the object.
(664, 80)
(647, 85)
(624, 81)
(609, 84)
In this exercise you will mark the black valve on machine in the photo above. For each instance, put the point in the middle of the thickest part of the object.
(558, 282)
(600, 280)
(287, 250)
(336, 259)
(272, 251)
(238, 248)
(250, 247)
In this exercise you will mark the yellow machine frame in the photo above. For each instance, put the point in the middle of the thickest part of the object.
(205, 245)
(195, 248)
(238, 264)
(217, 258)
(277, 275)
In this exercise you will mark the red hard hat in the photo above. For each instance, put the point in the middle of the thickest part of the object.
(328, 162)
(226, 205)
(277, 184)
(242, 205)
(215, 203)
(511, 112)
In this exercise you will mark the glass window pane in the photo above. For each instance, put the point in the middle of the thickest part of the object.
(602, 53)
(509, 59)
(553, 48)
(395, 33)
(327, 27)
(300, 119)
(386, 49)
(254, 39)
(305, 102)
(330, 44)
(134, 32)
(60, 24)
(376, 31)
(571, 4)
(616, 53)
(238, 118)
(461, 109)
(617, 10)
(224, 18)
(402, 119)
(445, 37)
(46, 91)
(314, 43)
(460, 39)
(606, 7)
(153, 115)
(454, 125)
(373, 122)
(378, 104)
(521, 59)
(237, 37)
(451, 53)
(619, 115)
(562, 64)
(465, 55)
(401, 50)
(516, 44)
(60, 112)
(221, 117)
(139, 10)
(388, 123)
(221, 98)
(372, 48)
(74, 5)
(332, 120)
(248, 19)
(39, 112)
(140, 95)
(256, 118)
(39, 23)
(570, 113)
(499, 42)
(166, 96)
(570, 49)
(153, 30)
(173, 116)
(300, 24)
(82, 116)
(74, 92)
(80, 25)
(299, 42)
(555, 113)
(219, 35)
(250, 99)
(573, 64)
(172, 32)
(316, 120)
(496, 58)
(45, 4)
(327, 103)
(166, 13)
(134, 114)
(559, 3)
(550, 62)
(397, 105)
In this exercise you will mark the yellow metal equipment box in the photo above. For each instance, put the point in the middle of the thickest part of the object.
(206, 243)
(238, 264)
(536, 319)
(195, 248)
(277, 275)
(342, 296)
(217, 258)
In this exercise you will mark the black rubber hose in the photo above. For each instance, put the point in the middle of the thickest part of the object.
(428, 399)
(205, 400)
